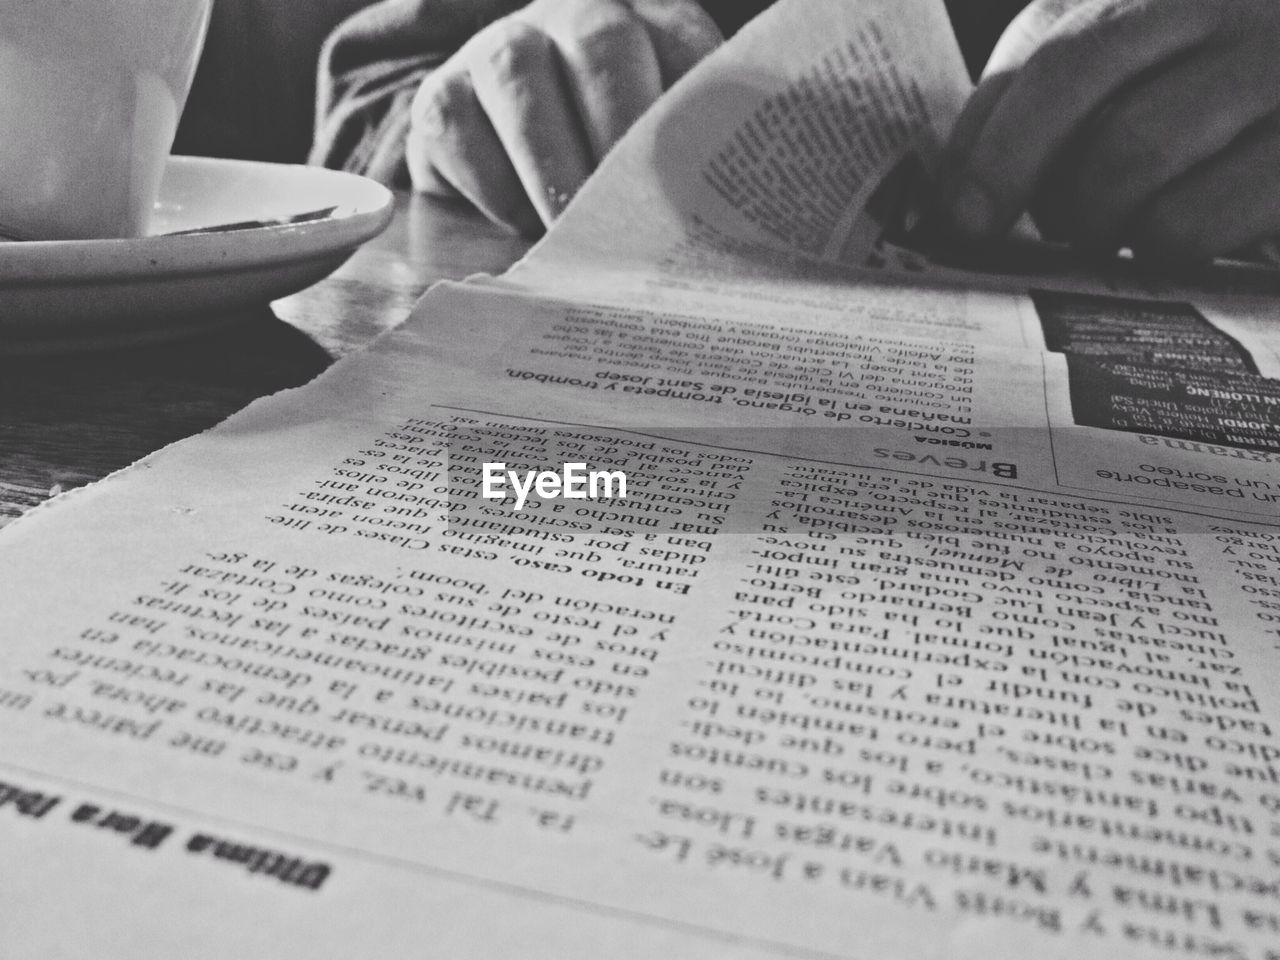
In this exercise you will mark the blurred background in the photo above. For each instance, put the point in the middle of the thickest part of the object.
(254, 94)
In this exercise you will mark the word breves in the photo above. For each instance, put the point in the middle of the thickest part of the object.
(573, 482)
(28, 803)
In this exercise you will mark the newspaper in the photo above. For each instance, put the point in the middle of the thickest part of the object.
(938, 619)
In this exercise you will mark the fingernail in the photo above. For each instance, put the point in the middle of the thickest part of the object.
(972, 210)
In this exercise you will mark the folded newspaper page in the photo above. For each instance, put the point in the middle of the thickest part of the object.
(735, 578)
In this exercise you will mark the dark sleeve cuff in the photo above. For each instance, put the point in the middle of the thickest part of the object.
(370, 70)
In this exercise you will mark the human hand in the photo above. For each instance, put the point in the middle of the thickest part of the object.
(1153, 124)
(516, 120)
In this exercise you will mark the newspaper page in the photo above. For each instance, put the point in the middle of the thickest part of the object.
(934, 623)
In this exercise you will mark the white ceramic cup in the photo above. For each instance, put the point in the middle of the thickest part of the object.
(90, 95)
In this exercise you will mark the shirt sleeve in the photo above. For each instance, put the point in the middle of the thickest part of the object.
(370, 70)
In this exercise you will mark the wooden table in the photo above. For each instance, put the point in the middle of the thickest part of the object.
(66, 421)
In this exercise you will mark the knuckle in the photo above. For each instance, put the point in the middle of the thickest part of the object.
(544, 13)
(597, 34)
(441, 104)
(683, 22)
(510, 50)
(684, 12)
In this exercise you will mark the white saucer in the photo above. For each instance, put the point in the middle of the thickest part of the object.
(75, 294)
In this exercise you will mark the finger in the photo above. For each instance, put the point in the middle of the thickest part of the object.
(610, 64)
(965, 131)
(1019, 40)
(1090, 53)
(682, 34)
(1015, 46)
(452, 150)
(517, 78)
(1158, 130)
(1223, 205)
